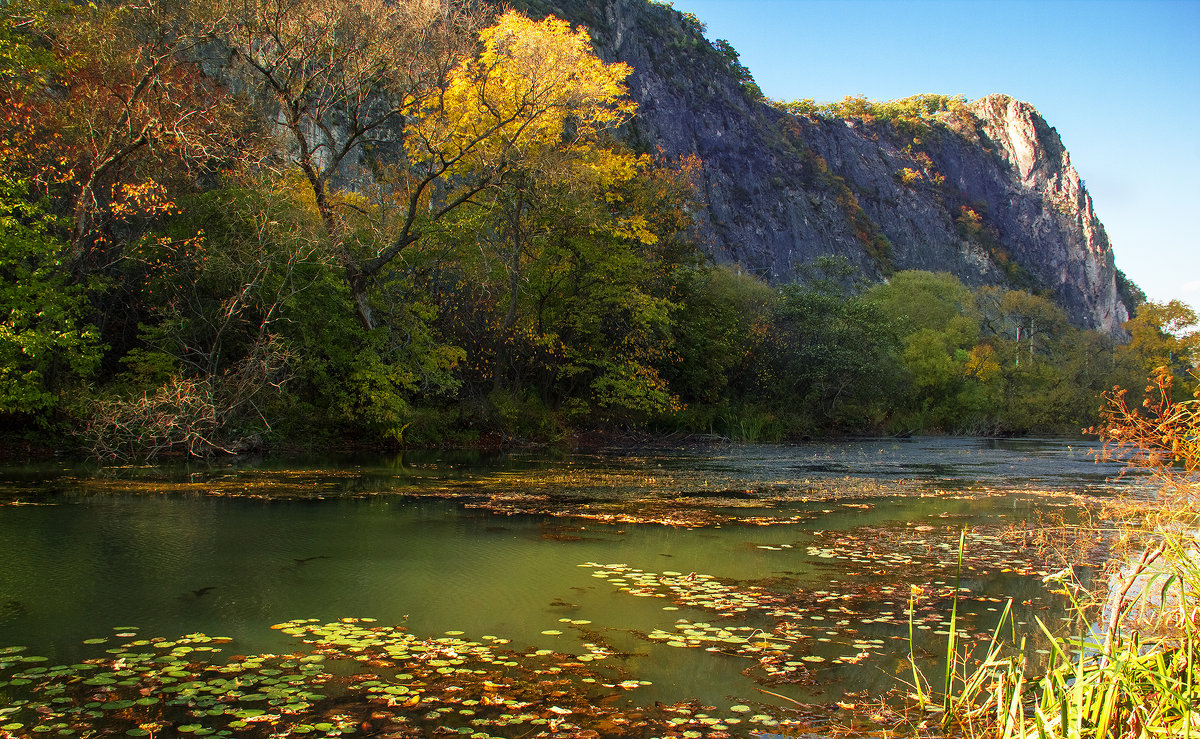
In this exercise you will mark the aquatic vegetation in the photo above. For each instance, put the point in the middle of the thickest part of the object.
(361, 676)
(1130, 666)
(812, 611)
(354, 676)
(799, 631)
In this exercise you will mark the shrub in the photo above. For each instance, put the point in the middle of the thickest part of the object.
(1132, 668)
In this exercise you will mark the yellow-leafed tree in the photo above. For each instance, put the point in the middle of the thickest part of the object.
(536, 87)
(566, 225)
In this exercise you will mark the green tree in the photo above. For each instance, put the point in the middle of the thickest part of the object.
(740, 72)
(832, 352)
(929, 300)
(1035, 346)
(723, 313)
(46, 341)
(1164, 335)
(949, 382)
(568, 279)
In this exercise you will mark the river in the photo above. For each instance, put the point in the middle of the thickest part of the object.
(731, 575)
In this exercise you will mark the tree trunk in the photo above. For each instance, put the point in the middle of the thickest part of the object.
(83, 227)
(510, 320)
(357, 281)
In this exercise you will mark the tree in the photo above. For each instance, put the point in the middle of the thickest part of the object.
(929, 300)
(946, 369)
(1042, 362)
(564, 281)
(739, 70)
(128, 109)
(341, 80)
(428, 134)
(523, 125)
(1164, 335)
(1030, 322)
(723, 313)
(831, 350)
(45, 338)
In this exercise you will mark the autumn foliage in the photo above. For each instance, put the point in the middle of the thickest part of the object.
(1163, 434)
(422, 221)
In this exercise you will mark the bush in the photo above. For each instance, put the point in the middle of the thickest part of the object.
(523, 415)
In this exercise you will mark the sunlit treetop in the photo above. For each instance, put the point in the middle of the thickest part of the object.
(530, 80)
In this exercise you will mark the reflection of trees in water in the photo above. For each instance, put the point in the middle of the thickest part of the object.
(11, 609)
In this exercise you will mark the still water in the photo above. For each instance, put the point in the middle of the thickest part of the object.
(518, 545)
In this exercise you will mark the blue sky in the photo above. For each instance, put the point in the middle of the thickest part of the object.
(1119, 80)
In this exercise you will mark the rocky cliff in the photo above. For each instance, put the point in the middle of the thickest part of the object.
(982, 189)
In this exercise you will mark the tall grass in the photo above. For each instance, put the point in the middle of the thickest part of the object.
(1129, 668)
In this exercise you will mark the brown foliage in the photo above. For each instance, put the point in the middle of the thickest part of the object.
(1164, 435)
(195, 417)
(128, 112)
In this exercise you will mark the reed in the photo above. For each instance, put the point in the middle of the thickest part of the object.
(1129, 668)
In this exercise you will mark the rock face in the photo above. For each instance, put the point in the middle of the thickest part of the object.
(984, 190)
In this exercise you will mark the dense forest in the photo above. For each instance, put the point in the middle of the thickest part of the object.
(229, 224)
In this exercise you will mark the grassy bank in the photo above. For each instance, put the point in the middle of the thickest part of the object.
(1129, 665)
